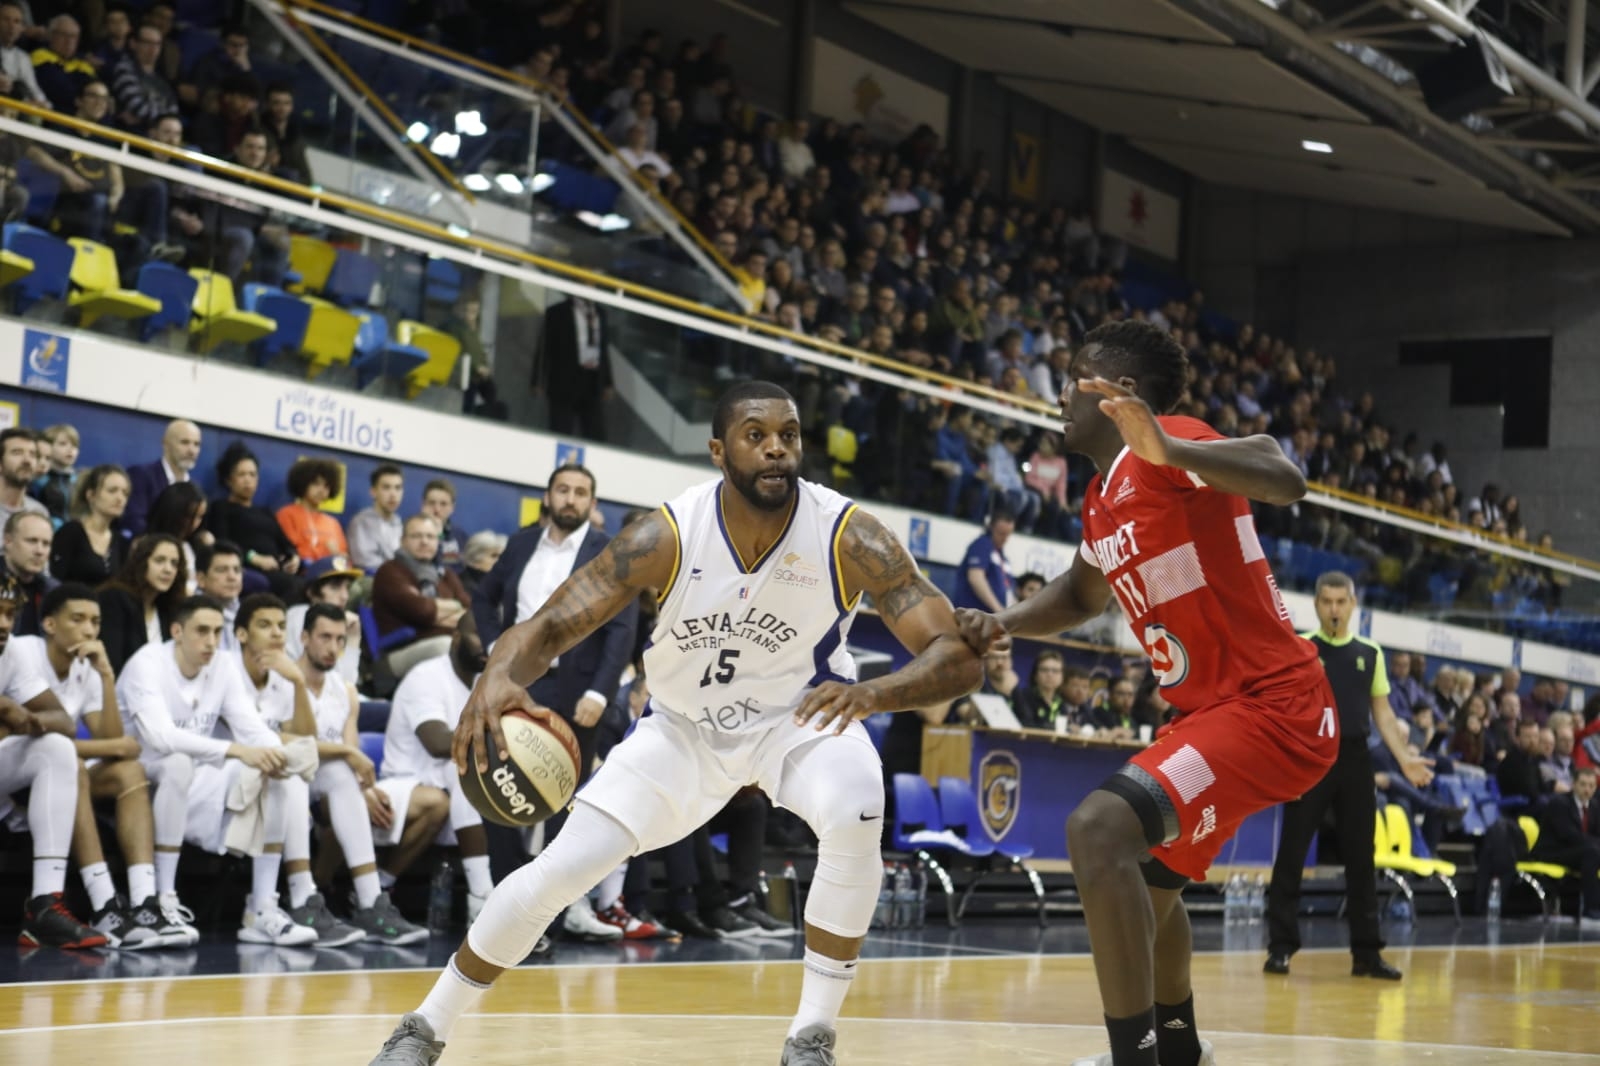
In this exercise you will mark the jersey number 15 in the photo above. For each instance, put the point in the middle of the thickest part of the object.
(727, 662)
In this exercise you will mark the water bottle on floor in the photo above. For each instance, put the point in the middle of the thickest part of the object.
(1494, 901)
(880, 916)
(904, 898)
(1258, 899)
(1231, 900)
(441, 895)
(921, 883)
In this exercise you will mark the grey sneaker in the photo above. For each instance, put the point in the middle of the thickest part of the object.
(411, 1044)
(811, 1046)
(384, 923)
(331, 932)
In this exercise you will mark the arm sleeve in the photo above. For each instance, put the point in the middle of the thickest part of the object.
(1380, 673)
(144, 703)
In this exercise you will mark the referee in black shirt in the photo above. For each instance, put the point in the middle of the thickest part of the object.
(1360, 686)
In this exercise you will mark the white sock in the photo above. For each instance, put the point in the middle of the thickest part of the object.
(452, 996)
(301, 888)
(479, 880)
(368, 885)
(49, 876)
(97, 882)
(822, 992)
(264, 880)
(141, 882)
(167, 872)
(609, 890)
(386, 880)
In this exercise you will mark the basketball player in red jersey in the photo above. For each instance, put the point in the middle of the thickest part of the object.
(1167, 529)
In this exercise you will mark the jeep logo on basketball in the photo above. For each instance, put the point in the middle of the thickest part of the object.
(507, 782)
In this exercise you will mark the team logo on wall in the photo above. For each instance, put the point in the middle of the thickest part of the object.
(999, 792)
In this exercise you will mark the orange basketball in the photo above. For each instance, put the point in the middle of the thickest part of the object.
(538, 779)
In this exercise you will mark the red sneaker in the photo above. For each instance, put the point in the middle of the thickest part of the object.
(46, 923)
(634, 928)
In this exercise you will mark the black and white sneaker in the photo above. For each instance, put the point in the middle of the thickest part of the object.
(122, 927)
(752, 912)
(728, 925)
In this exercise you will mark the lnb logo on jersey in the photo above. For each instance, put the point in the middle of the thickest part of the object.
(1168, 657)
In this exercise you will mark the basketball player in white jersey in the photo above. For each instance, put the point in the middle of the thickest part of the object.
(36, 753)
(759, 576)
(417, 775)
(72, 660)
(284, 701)
(344, 773)
(172, 697)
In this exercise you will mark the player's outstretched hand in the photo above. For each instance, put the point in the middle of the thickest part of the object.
(493, 695)
(982, 631)
(1418, 770)
(1135, 421)
(836, 704)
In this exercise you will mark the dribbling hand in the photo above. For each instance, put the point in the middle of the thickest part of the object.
(833, 702)
(982, 631)
(493, 695)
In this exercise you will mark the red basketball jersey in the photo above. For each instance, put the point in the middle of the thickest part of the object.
(1186, 565)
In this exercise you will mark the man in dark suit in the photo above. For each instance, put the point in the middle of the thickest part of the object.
(180, 450)
(574, 368)
(580, 684)
(1518, 773)
(1569, 834)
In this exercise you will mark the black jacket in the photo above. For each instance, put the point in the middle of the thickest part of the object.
(122, 625)
(1561, 830)
(598, 660)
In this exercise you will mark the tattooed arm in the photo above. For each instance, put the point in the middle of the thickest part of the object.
(641, 555)
(919, 616)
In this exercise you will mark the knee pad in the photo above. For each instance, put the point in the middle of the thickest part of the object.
(522, 906)
(1140, 790)
(844, 890)
(295, 799)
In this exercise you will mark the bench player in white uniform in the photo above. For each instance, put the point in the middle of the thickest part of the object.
(344, 773)
(328, 581)
(283, 700)
(36, 753)
(72, 660)
(173, 696)
(417, 774)
(759, 576)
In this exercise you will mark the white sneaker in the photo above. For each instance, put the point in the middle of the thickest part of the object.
(475, 906)
(179, 930)
(273, 926)
(579, 923)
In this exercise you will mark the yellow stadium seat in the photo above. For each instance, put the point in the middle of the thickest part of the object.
(97, 287)
(1533, 874)
(217, 319)
(13, 266)
(443, 351)
(313, 260)
(1393, 855)
(330, 336)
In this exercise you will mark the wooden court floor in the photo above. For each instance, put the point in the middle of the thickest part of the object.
(1461, 1006)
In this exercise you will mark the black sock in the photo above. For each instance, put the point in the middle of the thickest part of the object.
(1133, 1040)
(1175, 1033)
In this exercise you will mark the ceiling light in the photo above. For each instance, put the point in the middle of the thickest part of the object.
(476, 183)
(1322, 147)
(446, 145)
(418, 131)
(471, 124)
(509, 184)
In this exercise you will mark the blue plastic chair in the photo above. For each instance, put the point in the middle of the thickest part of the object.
(291, 314)
(877, 727)
(372, 747)
(919, 830)
(351, 280)
(175, 289)
(382, 644)
(959, 809)
(441, 282)
(52, 264)
(377, 355)
(43, 188)
(373, 716)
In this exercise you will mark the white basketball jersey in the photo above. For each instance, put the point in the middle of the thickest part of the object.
(331, 709)
(736, 645)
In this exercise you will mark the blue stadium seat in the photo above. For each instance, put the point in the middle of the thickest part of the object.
(351, 280)
(376, 355)
(373, 717)
(291, 314)
(175, 289)
(52, 264)
(959, 808)
(369, 633)
(43, 187)
(372, 748)
(441, 282)
(877, 727)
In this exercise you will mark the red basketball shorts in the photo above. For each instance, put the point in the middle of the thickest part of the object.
(1221, 764)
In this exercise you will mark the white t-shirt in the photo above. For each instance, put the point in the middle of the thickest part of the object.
(20, 678)
(274, 700)
(431, 692)
(170, 713)
(80, 692)
(548, 566)
(349, 665)
(331, 708)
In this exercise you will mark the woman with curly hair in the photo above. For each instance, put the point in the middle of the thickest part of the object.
(314, 533)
